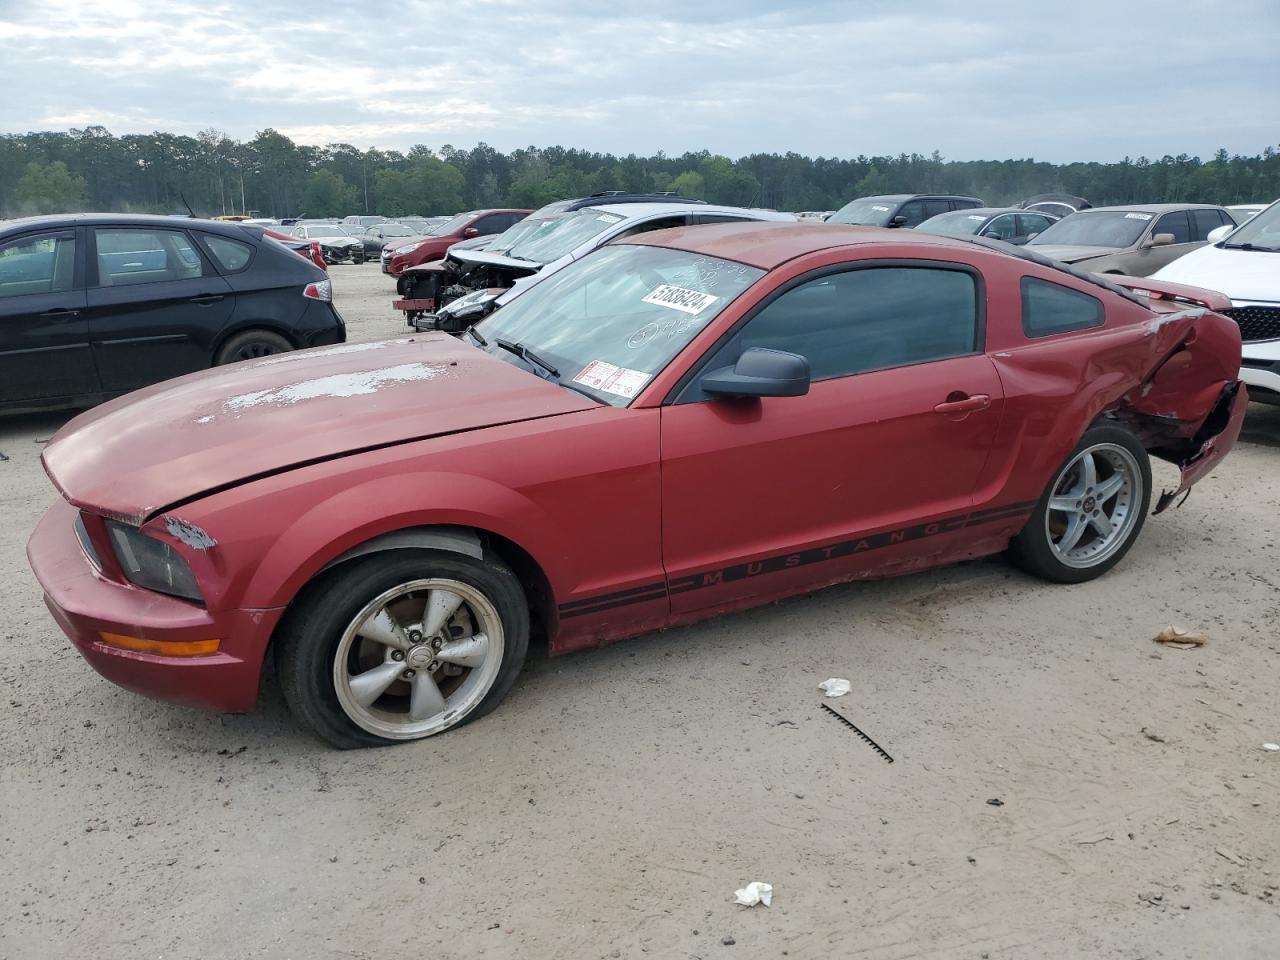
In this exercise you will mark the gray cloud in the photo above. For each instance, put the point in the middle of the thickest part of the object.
(993, 80)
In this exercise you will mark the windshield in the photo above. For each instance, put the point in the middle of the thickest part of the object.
(396, 230)
(613, 320)
(1261, 232)
(517, 232)
(955, 224)
(454, 224)
(325, 232)
(1096, 228)
(868, 212)
(563, 235)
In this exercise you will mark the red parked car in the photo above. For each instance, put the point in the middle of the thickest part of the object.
(681, 424)
(397, 257)
(307, 249)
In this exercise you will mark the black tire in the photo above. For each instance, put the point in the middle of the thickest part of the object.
(1033, 549)
(251, 344)
(310, 636)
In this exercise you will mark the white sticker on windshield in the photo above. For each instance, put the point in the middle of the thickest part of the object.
(1137, 216)
(679, 298)
(876, 206)
(608, 378)
(608, 218)
(972, 217)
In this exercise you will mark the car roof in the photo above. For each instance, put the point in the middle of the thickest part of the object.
(635, 211)
(1152, 208)
(230, 228)
(917, 196)
(985, 211)
(767, 245)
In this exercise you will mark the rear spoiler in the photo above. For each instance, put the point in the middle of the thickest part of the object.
(1175, 294)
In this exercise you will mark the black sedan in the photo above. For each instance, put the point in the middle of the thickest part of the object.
(1001, 223)
(96, 305)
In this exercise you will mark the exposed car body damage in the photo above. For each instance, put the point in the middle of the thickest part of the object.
(622, 517)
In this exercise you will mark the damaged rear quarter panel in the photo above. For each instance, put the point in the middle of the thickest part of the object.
(1160, 375)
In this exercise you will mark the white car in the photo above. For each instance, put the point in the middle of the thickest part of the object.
(496, 278)
(1244, 264)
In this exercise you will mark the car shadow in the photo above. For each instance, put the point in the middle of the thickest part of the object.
(1262, 425)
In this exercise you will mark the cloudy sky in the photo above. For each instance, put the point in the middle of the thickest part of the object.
(974, 79)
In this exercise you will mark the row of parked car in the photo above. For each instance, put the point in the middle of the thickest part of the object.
(483, 259)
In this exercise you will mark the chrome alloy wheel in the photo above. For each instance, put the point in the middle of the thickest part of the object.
(1094, 505)
(419, 658)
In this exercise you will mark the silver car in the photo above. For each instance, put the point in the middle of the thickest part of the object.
(1134, 240)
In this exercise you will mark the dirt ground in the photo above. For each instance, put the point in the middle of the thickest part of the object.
(617, 799)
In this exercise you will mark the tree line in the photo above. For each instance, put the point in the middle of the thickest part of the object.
(91, 169)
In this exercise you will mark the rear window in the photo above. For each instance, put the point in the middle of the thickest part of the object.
(1048, 308)
(231, 255)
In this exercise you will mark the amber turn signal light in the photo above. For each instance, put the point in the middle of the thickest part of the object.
(165, 648)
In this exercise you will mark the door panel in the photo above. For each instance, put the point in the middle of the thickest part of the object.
(155, 307)
(44, 335)
(793, 490)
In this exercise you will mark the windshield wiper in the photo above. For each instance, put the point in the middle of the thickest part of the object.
(1248, 246)
(478, 336)
(528, 356)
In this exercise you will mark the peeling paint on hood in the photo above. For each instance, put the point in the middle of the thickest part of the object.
(166, 444)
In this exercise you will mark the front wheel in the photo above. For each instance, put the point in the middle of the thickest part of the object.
(402, 645)
(1092, 511)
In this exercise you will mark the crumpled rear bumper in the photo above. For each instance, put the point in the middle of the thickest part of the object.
(1213, 441)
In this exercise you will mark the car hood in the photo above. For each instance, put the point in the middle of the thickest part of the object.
(1240, 274)
(133, 457)
(1066, 253)
(337, 241)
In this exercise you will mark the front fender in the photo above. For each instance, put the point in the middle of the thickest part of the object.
(357, 514)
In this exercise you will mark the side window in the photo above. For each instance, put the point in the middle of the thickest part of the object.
(128, 256)
(662, 223)
(1203, 221)
(231, 255)
(510, 219)
(934, 207)
(1029, 223)
(44, 264)
(913, 210)
(718, 218)
(963, 204)
(1175, 223)
(1048, 308)
(1004, 227)
(494, 223)
(869, 319)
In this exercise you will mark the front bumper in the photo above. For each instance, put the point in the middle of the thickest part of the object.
(1260, 369)
(85, 605)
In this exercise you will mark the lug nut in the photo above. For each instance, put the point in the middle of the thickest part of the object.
(397, 655)
(408, 674)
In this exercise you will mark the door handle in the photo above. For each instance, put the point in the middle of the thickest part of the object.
(60, 313)
(207, 298)
(958, 402)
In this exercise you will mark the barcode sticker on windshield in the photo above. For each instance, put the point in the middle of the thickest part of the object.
(876, 206)
(1137, 216)
(620, 381)
(608, 218)
(972, 217)
(679, 298)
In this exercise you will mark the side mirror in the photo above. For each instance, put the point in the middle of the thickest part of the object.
(1219, 233)
(898, 220)
(470, 232)
(1160, 240)
(1032, 236)
(760, 372)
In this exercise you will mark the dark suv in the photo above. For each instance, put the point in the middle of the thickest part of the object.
(900, 209)
(96, 305)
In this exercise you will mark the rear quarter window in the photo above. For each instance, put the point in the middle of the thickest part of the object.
(231, 255)
(1049, 309)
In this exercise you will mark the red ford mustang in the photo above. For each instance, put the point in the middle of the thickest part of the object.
(691, 422)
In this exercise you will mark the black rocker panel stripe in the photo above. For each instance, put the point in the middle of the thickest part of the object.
(797, 558)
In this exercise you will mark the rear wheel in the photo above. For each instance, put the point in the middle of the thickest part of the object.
(1092, 511)
(251, 344)
(403, 645)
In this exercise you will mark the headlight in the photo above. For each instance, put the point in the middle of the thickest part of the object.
(152, 564)
(476, 303)
(407, 248)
